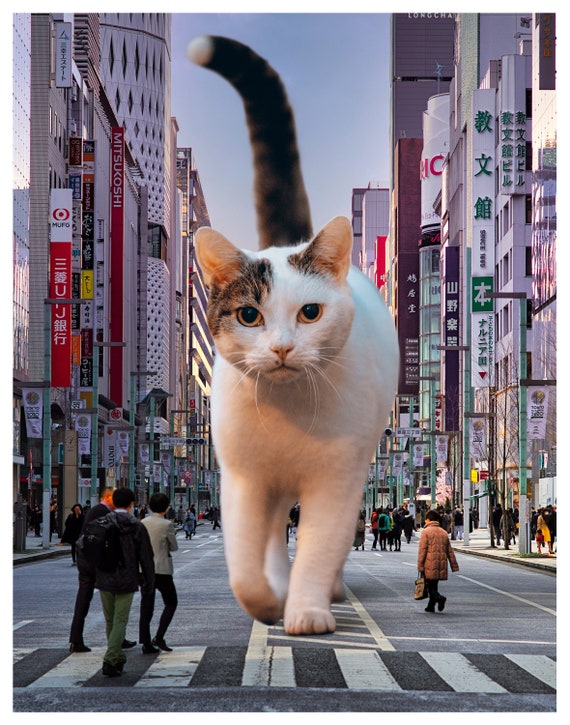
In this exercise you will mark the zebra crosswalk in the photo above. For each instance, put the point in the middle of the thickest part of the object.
(276, 666)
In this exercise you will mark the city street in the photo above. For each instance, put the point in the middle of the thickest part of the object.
(493, 649)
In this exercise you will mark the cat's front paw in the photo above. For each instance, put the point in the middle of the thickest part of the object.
(310, 620)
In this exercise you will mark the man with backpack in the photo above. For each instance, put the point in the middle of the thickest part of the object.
(86, 575)
(126, 550)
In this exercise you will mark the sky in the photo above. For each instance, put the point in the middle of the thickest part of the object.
(335, 68)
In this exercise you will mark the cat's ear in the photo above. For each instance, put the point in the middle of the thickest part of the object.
(220, 260)
(330, 251)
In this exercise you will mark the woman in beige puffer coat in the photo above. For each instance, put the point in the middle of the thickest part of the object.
(433, 554)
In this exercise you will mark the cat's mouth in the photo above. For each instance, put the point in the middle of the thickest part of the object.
(283, 371)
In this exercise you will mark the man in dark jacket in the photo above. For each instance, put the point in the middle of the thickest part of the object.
(86, 573)
(117, 587)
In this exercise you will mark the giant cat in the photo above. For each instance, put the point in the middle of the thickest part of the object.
(305, 371)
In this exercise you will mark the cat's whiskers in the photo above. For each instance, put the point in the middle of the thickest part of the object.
(326, 377)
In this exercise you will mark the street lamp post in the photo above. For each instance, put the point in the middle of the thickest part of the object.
(133, 375)
(171, 474)
(524, 518)
(432, 469)
(95, 420)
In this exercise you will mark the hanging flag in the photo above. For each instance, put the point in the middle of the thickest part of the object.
(33, 411)
(123, 443)
(83, 428)
(441, 449)
(109, 447)
(418, 453)
(477, 438)
(537, 409)
(144, 453)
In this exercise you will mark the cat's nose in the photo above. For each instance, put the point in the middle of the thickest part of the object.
(282, 350)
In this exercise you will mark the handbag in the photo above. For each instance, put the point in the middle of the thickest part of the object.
(420, 591)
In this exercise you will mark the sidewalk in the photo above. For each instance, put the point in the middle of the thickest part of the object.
(479, 545)
(35, 551)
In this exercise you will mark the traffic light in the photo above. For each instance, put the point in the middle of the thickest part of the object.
(196, 441)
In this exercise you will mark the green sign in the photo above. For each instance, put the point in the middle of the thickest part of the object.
(480, 287)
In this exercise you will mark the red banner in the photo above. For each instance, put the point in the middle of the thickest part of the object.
(60, 287)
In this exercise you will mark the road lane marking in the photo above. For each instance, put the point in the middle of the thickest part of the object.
(539, 666)
(373, 628)
(73, 671)
(508, 594)
(173, 669)
(477, 639)
(265, 666)
(22, 623)
(459, 673)
(365, 670)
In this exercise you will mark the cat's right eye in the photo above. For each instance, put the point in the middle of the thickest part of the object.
(249, 317)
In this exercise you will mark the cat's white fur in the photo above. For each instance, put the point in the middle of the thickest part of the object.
(301, 424)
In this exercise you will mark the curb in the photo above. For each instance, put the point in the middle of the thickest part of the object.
(530, 562)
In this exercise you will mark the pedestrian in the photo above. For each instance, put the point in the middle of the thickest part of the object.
(496, 519)
(397, 519)
(162, 535)
(52, 519)
(374, 527)
(508, 526)
(360, 531)
(539, 536)
(407, 523)
(36, 520)
(384, 524)
(86, 576)
(117, 587)
(434, 552)
(458, 523)
(216, 518)
(549, 515)
(294, 515)
(541, 524)
(73, 528)
(189, 525)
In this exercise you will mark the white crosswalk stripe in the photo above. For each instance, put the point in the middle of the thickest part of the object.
(365, 670)
(74, 671)
(459, 673)
(539, 666)
(173, 669)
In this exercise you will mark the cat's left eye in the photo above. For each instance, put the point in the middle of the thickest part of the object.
(310, 313)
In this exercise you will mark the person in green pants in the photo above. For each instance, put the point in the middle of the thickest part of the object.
(118, 585)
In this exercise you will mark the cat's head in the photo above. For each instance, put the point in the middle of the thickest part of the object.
(282, 313)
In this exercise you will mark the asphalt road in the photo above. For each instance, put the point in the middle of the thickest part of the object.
(493, 649)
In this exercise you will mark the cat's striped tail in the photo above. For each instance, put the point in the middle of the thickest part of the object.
(282, 206)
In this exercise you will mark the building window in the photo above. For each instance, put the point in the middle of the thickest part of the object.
(528, 262)
(528, 209)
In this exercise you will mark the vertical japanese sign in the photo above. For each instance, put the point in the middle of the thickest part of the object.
(63, 55)
(451, 334)
(483, 237)
(513, 151)
(87, 275)
(60, 286)
(482, 332)
(117, 244)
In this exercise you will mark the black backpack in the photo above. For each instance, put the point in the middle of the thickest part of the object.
(100, 543)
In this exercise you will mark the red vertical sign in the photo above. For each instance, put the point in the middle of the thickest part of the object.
(60, 287)
(117, 245)
(60, 284)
